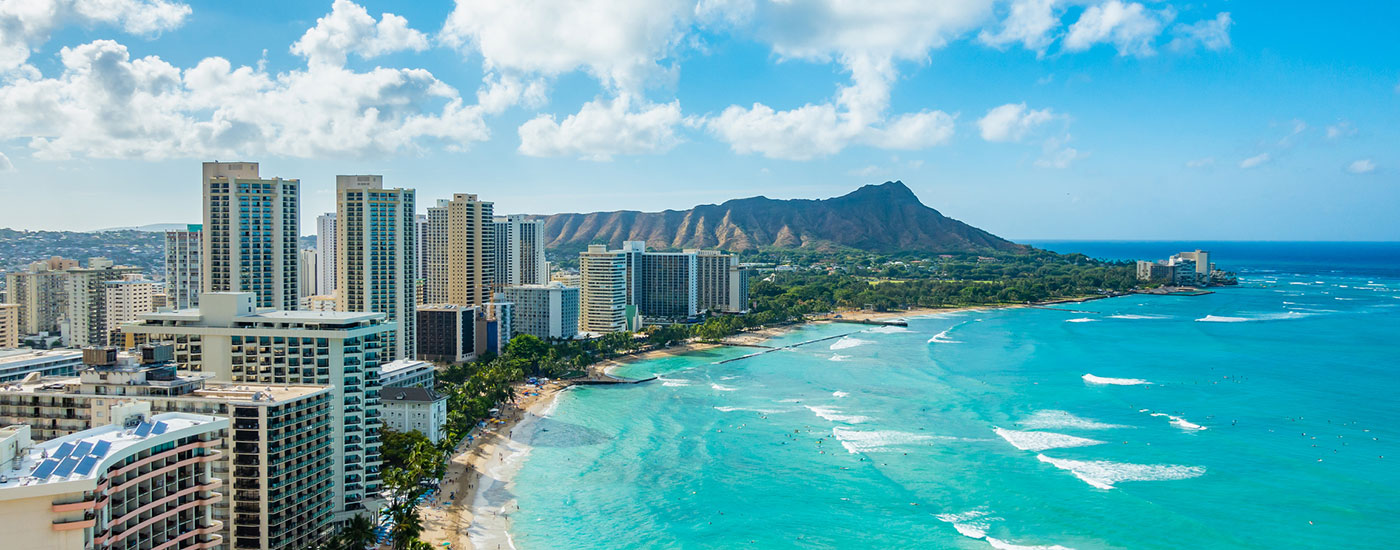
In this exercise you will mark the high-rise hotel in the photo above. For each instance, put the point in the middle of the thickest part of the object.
(460, 252)
(603, 305)
(251, 227)
(518, 252)
(375, 240)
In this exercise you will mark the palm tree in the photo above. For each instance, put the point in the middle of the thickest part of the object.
(357, 533)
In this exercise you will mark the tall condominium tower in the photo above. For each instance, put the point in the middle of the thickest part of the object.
(127, 299)
(375, 261)
(41, 291)
(87, 300)
(182, 264)
(420, 225)
(460, 251)
(603, 295)
(519, 252)
(309, 265)
(250, 233)
(724, 286)
(325, 254)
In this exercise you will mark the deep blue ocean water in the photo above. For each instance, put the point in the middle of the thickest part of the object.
(1261, 416)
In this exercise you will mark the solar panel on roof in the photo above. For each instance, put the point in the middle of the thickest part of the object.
(65, 468)
(85, 466)
(45, 468)
(63, 451)
(100, 450)
(159, 428)
(82, 449)
(144, 429)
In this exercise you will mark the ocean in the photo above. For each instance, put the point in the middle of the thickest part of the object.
(1260, 416)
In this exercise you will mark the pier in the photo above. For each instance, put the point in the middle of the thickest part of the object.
(789, 346)
(876, 322)
(605, 380)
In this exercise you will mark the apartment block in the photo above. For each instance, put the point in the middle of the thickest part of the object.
(87, 300)
(518, 252)
(140, 482)
(309, 265)
(549, 311)
(126, 300)
(182, 264)
(408, 373)
(325, 254)
(41, 291)
(17, 364)
(375, 262)
(9, 326)
(603, 305)
(460, 251)
(667, 286)
(723, 285)
(231, 340)
(251, 226)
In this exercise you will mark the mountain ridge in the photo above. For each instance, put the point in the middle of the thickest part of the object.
(753, 223)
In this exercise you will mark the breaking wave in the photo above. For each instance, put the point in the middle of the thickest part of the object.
(1053, 419)
(1103, 381)
(1042, 441)
(834, 414)
(848, 342)
(1104, 474)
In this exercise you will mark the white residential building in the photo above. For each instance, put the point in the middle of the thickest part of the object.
(182, 265)
(549, 312)
(413, 408)
(251, 228)
(405, 373)
(375, 236)
(518, 252)
(325, 254)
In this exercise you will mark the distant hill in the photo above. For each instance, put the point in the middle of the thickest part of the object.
(150, 228)
(143, 249)
(879, 218)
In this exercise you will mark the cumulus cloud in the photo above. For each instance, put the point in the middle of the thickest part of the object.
(1363, 166)
(1340, 130)
(602, 129)
(348, 28)
(1057, 153)
(27, 24)
(1255, 160)
(1130, 27)
(1211, 34)
(619, 42)
(106, 104)
(1011, 122)
(1028, 22)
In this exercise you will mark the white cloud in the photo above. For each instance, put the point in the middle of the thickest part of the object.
(1363, 166)
(866, 172)
(5, 164)
(27, 24)
(1057, 154)
(1028, 22)
(1011, 122)
(1297, 127)
(1340, 130)
(1211, 34)
(603, 129)
(1201, 162)
(106, 104)
(499, 92)
(1255, 160)
(348, 28)
(619, 42)
(1129, 27)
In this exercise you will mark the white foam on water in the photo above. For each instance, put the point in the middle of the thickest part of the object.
(1221, 319)
(722, 388)
(974, 524)
(888, 329)
(838, 357)
(1081, 320)
(942, 338)
(1054, 420)
(1104, 474)
(749, 409)
(1104, 381)
(857, 441)
(848, 342)
(839, 394)
(1176, 421)
(1042, 441)
(1284, 316)
(1300, 283)
(1003, 545)
(834, 414)
(673, 382)
(731, 377)
(1136, 316)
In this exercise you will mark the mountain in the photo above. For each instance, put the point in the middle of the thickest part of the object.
(877, 218)
(150, 228)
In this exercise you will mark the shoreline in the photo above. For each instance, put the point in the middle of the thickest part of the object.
(483, 473)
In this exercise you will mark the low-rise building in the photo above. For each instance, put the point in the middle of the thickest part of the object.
(141, 482)
(408, 373)
(420, 409)
(549, 312)
(447, 333)
(9, 326)
(15, 364)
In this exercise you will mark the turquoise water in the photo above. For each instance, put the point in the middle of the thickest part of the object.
(1263, 416)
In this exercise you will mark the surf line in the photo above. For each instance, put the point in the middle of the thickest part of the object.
(789, 346)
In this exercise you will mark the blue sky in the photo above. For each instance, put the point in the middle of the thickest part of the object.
(1034, 119)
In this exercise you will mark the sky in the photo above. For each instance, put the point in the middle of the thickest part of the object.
(1033, 119)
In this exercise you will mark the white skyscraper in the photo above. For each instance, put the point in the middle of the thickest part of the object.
(325, 253)
(182, 280)
(376, 232)
(519, 252)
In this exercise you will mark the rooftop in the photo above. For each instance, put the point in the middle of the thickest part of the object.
(16, 355)
(401, 365)
(421, 395)
(86, 454)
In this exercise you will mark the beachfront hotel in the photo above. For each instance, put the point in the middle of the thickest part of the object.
(375, 234)
(416, 409)
(723, 285)
(251, 227)
(276, 464)
(231, 340)
(603, 305)
(140, 482)
(182, 265)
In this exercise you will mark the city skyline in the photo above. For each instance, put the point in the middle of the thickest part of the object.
(1100, 112)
